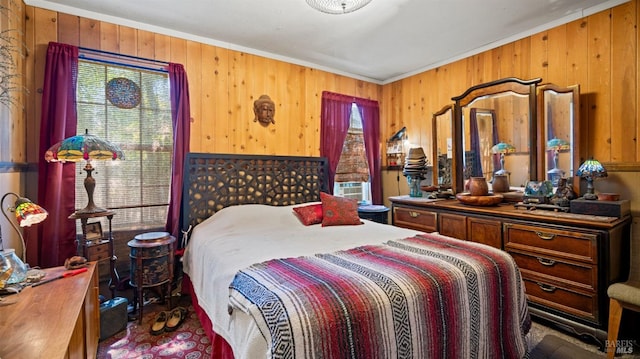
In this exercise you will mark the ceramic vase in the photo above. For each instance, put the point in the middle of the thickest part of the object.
(478, 186)
(500, 183)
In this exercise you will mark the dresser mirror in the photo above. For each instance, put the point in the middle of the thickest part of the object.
(559, 111)
(443, 174)
(495, 125)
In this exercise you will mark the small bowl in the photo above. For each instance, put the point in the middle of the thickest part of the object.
(608, 196)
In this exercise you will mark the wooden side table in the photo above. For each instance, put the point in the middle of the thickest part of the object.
(376, 213)
(152, 256)
(103, 249)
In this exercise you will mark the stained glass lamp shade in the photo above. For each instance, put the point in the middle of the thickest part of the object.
(556, 145)
(502, 148)
(26, 212)
(590, 170)
(85, 147)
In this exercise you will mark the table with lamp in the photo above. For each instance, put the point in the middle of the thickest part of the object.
(88, 147)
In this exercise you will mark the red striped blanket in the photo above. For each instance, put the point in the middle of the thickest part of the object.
(428, 296)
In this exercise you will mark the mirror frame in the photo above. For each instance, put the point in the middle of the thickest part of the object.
(509, 84)
(434, 131)
(577, 157)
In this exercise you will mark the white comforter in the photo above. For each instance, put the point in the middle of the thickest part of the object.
(239, 236)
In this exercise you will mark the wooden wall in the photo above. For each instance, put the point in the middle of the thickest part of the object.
(223, 85)
(599, 52)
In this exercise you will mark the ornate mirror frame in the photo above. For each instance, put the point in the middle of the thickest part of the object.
(489, 90)
(444, 174)
(559, 133)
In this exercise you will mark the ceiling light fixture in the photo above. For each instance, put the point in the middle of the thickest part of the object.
(337, 6)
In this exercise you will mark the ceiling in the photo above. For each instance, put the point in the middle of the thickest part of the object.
(385, 41)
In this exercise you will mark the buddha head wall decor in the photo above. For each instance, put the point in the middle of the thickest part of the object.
(265, 110)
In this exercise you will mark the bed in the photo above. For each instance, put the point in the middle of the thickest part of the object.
(264, 284)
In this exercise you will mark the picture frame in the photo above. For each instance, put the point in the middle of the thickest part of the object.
(93, 232)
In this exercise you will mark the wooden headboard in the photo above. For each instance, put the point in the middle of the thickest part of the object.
(215, 181)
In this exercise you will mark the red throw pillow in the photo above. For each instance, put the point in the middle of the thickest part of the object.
(310, 214)
(337, 211)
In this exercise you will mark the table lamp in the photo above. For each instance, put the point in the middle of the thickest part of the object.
(85, 147)
(502, 148)
(556, 145)
(27, 213)
(590, 170)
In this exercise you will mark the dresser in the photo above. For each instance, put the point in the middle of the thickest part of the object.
(567, 260)
(59, 319)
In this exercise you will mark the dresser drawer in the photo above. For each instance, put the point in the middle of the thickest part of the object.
(97, 252)
(415, 219)
(558, 243)
(572, 273)
(565, 299)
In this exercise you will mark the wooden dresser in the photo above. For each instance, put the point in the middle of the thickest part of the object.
(567, 260)
(59, 319)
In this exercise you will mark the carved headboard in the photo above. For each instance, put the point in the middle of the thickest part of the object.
(215, 181)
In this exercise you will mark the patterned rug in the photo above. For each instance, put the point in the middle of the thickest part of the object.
(188, 341)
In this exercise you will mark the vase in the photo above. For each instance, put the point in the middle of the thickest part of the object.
(414, 186)
(478, 186)
(18, 268)
(500, 183)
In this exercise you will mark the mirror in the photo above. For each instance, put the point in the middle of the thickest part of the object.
(482, 136)
(559, 110)
(496, 127)
(443, 173)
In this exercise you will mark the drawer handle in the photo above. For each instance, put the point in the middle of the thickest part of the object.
(545, 236)
(413, 214)
(546, 287)
(546, 262)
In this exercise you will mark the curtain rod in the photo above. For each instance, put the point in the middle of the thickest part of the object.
(113, 58)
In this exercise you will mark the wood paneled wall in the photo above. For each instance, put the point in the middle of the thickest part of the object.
(223, 85)
(598, 52)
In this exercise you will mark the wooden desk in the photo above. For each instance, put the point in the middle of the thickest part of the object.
(59, 319)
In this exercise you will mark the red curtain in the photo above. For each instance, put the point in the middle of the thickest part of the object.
(181, 118)
(334, 123)
(370, 112)
(56, 182)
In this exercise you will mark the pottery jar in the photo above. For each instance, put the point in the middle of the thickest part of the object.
(478, 186)
(500, 183)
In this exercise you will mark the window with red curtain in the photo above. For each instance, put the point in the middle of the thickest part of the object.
(335, 118)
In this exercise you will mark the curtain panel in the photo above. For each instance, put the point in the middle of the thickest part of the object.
(56, 236)
(181, 118)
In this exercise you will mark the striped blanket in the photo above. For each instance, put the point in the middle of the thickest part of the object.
(428, 296)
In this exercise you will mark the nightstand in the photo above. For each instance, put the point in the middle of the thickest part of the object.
(152, 257)
(376, 213)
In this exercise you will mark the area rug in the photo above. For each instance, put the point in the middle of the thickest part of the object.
(188, 341)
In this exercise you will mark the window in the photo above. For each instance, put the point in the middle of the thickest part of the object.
(352, 178)
(132, 109)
